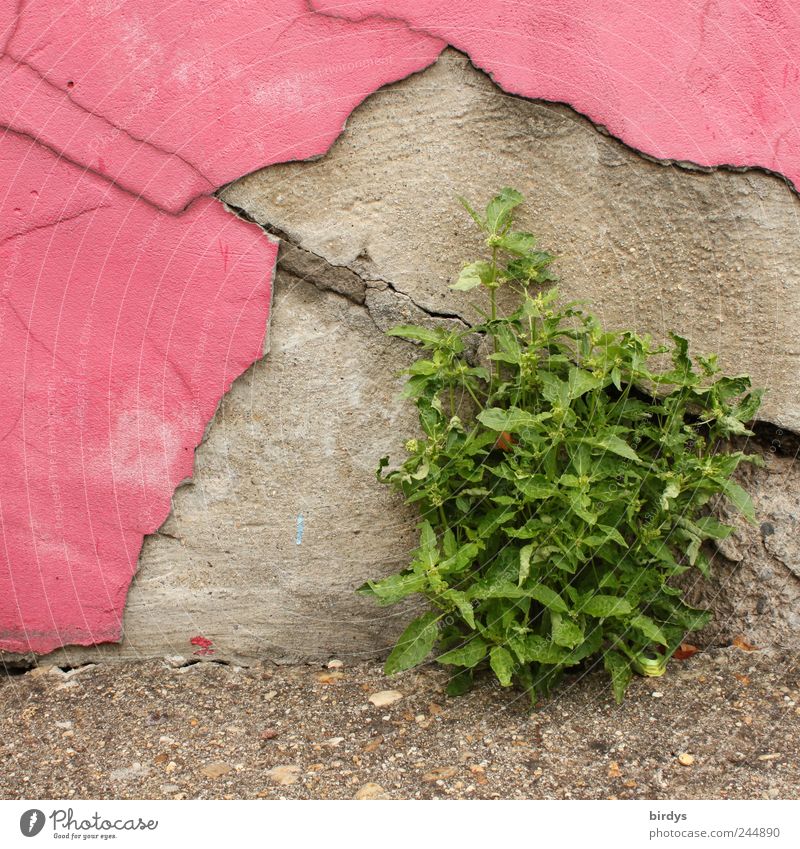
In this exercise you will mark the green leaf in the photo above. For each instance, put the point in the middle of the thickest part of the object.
(518, 243)
(619, 667)
(580, 382)
(613, 534)
(555, 390)
(414, 645)
(549, 598)
(460, 683)
(536, 488)
(649, 628)
(566, 632)
(525, 562)
(671, 490)
(539, 650)
(512, 420)
(616, 446)
(498, 212)
(394, 588)
(735, 494)
(711, 527)
(502, 664)
(462, 604)
(416, 334)
(468, 655)
(473, 275)
(473, 214)
(603, 606)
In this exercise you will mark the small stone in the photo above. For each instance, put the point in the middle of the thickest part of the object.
(329, 677)
(216, 769)
(385, 698)
(269, 734)
(334, 741)
(128, 773)
(47, 669)
(175, 661)
(371, 791)
(373, 744)
(335, 664)
(613, 770)
(685, 759)
(287, 774)
(66, 724)
(170, 767)
(657, 694)
(79, 670)
(440, 773)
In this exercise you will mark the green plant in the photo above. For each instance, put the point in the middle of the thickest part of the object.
(562, 485)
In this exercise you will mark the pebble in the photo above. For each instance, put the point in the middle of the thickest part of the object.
(175, 661)
(128, 773)
(78, 670)
(385, 698)
(335, 664)
(371, 791)
(287, 774)
(216, 769)
(685, 759)
(66, 724)
(439, 773)
(46, 669)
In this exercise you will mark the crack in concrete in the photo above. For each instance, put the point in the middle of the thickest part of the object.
(308, 266)
(341, 279)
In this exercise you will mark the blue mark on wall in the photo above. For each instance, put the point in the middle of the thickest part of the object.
(300, 528)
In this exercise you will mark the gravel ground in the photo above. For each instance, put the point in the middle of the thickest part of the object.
(723, 724)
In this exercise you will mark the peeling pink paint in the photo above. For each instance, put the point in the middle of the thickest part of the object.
(130, 300)
(121, 326)
(707, 82)
(205, 645)
(173, 99)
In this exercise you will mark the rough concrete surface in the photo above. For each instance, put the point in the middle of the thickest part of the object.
(722, 725)
(754, 588)
(298, 436)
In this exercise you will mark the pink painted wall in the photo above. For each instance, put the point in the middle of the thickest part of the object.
(131, 300)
